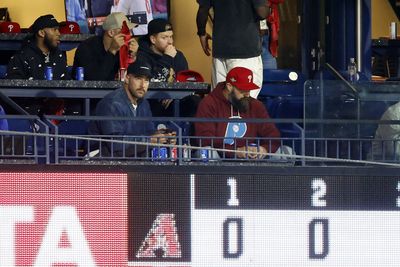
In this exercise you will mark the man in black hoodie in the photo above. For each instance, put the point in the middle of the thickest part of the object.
(40, 51)
(157, 49)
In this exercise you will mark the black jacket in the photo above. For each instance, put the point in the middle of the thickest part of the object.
(97, 63)
(30, 63)
(161, 64)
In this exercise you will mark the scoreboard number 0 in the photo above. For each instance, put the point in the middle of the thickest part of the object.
(319, 192)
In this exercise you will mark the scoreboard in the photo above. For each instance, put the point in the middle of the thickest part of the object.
(263, 220)
(199, 216)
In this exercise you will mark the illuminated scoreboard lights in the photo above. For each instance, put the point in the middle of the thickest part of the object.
(156, 219)
(270, 221)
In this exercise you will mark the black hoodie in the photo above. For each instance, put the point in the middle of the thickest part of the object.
(161, 64)
(30, 63)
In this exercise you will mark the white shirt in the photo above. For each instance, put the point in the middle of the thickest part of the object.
(129, 7)
(389, 132)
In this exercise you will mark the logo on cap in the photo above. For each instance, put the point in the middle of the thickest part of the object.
(241, 78)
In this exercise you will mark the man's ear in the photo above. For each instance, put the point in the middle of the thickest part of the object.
(41, 33)
(126, 80)
(110, 33)
(229, 87)
(152, 39)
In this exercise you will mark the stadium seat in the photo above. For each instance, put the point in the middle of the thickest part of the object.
(72, 147)
(3, 71)
(26, 144)
(282, 82)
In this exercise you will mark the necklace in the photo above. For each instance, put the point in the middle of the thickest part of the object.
(46, 57)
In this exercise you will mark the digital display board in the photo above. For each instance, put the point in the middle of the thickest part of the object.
(264, 220)
(63, 219)
(151, 218)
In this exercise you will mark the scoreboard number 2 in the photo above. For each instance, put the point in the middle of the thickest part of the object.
(398, 198)
(319, 192)
(233, 200)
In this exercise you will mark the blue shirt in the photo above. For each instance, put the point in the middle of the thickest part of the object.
(117, 104)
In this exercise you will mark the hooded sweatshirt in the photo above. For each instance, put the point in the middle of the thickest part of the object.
(215, 105)
(161, 64)
(30, 63)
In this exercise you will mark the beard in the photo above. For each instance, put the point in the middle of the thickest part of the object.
(49, 44)
(242, 105)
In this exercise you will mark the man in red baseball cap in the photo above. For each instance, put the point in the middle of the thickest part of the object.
(231, 100)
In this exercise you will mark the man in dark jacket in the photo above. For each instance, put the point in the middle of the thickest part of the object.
(128, 102)
(40, 51)
(99, 55)
(157, 48)
(231, 99)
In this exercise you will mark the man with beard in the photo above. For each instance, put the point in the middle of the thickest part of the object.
(40, 51)
(129, 102)
(231, 99)
(235, 36)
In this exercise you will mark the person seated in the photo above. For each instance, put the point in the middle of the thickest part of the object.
(129, 102)
(387, 144)
(99, 55)
(157, 48)
(39, 52)
(231, 100)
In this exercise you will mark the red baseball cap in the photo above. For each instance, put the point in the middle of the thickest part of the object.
(241, 78)
(69, 27)
(9, 27)
(189, 76)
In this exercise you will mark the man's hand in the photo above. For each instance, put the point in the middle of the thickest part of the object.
(117, 42)
(170, 51)
(241, 152)
(204, 41)
(162, 137)
(251, 152)
(133, 47)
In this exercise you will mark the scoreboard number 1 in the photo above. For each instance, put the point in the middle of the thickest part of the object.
(233, 200)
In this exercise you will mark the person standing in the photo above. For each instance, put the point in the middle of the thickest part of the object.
(236, 36)
(130, 7)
